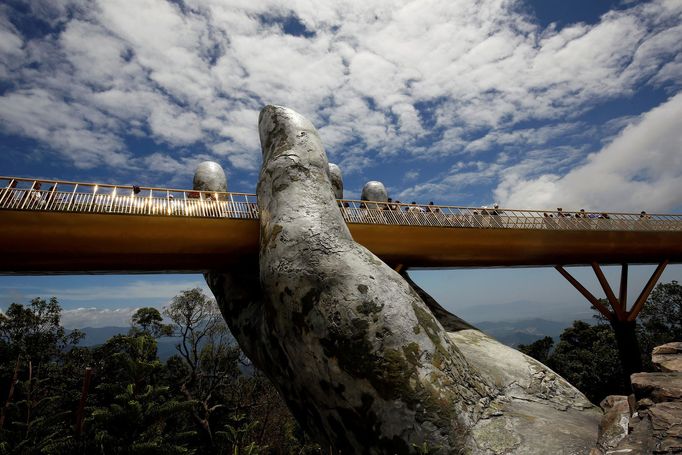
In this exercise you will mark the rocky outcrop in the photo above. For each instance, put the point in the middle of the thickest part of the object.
(359, 357)
(655, 425)
(657, 387)
(614, 425)
(668, 357)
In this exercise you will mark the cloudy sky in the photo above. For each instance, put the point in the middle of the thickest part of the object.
(530, 103)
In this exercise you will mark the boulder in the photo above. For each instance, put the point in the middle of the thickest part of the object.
(668, 357)
(615, 422)
(656, 427)
(638, 442)
(657, 387)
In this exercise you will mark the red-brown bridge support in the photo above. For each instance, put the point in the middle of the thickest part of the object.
(622, 320)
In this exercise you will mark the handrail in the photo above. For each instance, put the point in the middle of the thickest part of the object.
(63, 196)
(90, 184)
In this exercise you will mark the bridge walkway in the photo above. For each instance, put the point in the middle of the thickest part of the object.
(51, 226)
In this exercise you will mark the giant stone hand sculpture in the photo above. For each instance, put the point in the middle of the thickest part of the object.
(354, 349)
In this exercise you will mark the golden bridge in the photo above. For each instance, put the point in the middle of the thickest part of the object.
(50, 226)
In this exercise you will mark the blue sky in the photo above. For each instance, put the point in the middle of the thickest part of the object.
(532, 104)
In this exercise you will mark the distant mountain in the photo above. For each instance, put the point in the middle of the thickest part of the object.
(94, 336)
(98, 335)
(565, 312)
(522, 331)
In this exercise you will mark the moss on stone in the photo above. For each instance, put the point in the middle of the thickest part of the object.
(493, 435)
(412, 352)
(433, 331)
(370, 308)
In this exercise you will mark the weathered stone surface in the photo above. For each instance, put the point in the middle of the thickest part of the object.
(359, 358)
(373, 363)
(632, 401)
(210, 176)
(638, 442)
(657, 430)
(374, 191)
(668, 357)
(536, 397)
(657, 425)
(674, 347)
(532, 428)
(615, 422)
(667, 417)
(336, 179)
(658, 387)
(519, 375)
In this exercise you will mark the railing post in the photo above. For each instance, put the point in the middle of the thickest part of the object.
(94, 195)
(25, 198)
(51, 197)
(6, 192)
(73, 195)
(113, 199)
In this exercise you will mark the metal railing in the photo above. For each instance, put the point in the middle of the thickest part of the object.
(62, 196)
(486, 218)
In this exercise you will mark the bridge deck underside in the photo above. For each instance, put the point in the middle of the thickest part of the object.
(47, 242)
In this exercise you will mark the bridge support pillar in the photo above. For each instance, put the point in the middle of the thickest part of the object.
(623, 322)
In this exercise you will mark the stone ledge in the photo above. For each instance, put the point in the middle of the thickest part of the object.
(668, 357)
(657, 387)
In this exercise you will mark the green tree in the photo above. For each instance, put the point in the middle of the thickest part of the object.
(35, 332)
(36, 411)
(586, 356)
(135, 411)
(539, 350)
(207, 363)
(149, 320)
(661, 317)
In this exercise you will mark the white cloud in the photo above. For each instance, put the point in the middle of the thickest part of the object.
(103, 305)
(368, 75)
(11, 47)
(173, 125)
(641, 169)
(67, 127)
(137, 290)
(78, 318)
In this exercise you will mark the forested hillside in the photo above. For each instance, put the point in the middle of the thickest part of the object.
(119, 398)
(587, 356)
